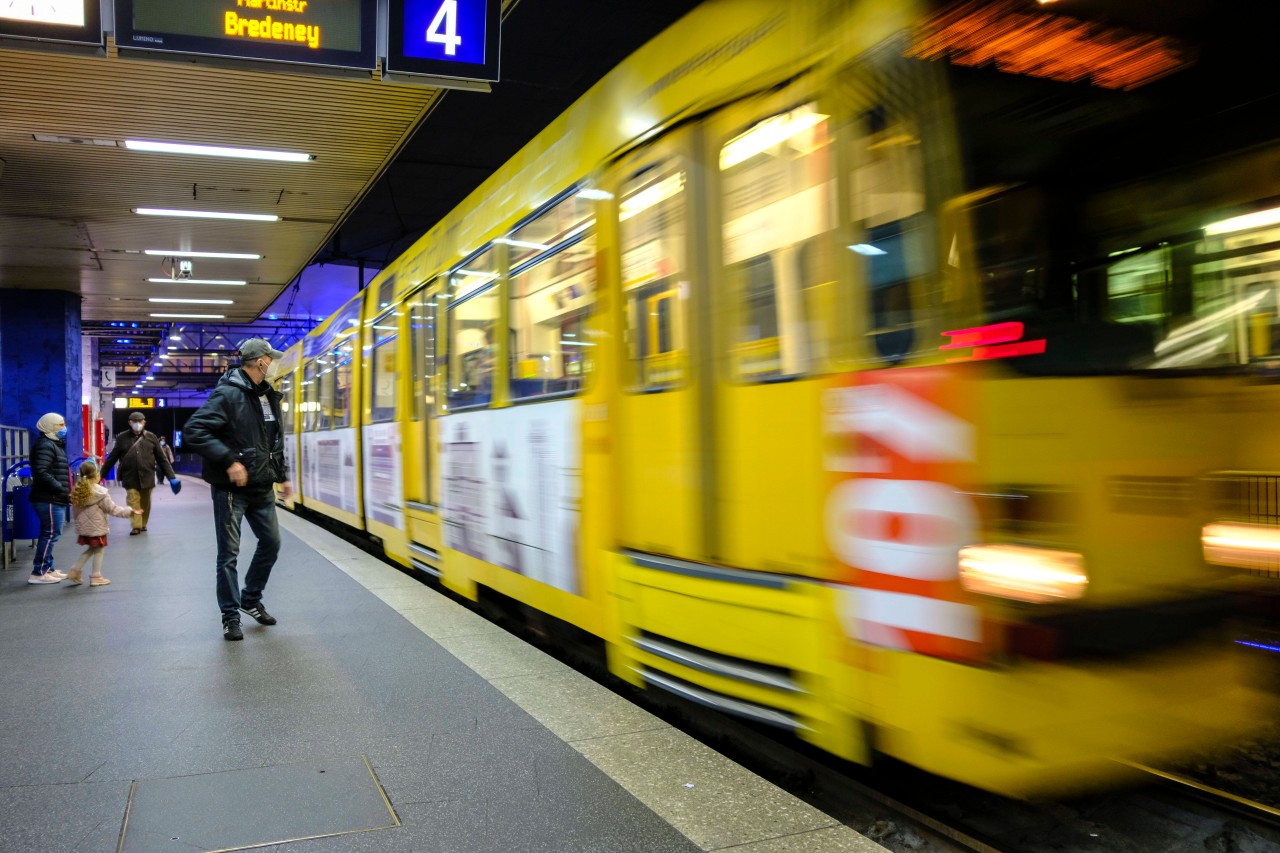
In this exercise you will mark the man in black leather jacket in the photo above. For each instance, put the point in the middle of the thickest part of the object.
(238, 435)
(136, 455)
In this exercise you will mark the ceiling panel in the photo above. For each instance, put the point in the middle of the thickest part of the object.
(66, 217)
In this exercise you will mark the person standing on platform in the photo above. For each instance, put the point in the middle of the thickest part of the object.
(237, 435)
(50, 493)
(91, 507)
(168, 454)
(138, 454)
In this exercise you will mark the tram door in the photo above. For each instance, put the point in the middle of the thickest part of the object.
(660, 446)
(772, 257)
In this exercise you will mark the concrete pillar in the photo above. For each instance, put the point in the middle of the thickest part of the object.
(40, 367)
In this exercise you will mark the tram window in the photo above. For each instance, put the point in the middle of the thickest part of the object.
(472, 349)
(285, 387)
(422, 334)
(311, 396)
(550, 301)
(325, 381)
(342, 386)
(888, 200)
(383, 367)
(556, 226)
(652, 217)
(778, 194)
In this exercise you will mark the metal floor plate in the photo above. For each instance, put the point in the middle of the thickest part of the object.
(250, 808)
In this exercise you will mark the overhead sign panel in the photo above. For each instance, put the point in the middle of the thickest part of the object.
(445, 38)
(75, 21)
(332, 33)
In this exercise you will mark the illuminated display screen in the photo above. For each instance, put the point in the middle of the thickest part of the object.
(54, 20)
(445, 38)
(339, 33)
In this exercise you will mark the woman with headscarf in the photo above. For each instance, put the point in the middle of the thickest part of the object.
(50, 493)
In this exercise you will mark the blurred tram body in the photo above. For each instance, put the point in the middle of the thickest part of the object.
(840, 379)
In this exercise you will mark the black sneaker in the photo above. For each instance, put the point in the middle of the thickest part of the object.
(257, 611)
(231, 630)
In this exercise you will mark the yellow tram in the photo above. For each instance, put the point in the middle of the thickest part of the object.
(792, 366)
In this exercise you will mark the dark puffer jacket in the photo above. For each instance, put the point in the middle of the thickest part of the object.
(138, 455)
(231, 427)
(50, 472)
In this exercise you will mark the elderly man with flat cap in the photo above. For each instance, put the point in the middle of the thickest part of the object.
(138, 453)
(238, 435)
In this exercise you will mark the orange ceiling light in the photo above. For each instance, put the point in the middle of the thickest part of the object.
(1018, 39)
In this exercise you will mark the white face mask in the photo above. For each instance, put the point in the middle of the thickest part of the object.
(135, 426)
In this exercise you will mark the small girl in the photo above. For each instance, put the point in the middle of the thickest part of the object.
(90, 506)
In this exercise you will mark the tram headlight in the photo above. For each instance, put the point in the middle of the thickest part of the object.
(1023, 573)
(1243, 546)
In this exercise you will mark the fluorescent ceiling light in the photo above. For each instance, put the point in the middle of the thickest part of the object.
(234, 281)
(195, 316)
(649, 196)
(206, 214)
(1244, 223)
(175, 337)
(177, 253)
(217, 151)
(194, 301)
(598, 195)
(767, 134)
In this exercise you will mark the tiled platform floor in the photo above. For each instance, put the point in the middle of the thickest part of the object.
(481, 742)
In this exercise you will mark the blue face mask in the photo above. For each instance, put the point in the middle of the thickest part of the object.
(62, 433)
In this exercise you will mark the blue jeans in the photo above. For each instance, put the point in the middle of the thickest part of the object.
(259, 508)
(53, 517)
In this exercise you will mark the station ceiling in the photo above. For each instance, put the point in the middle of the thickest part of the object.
(387, 161)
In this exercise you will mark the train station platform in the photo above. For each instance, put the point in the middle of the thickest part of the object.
(378, 715)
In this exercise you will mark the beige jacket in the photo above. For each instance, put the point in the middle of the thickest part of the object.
(91, 519)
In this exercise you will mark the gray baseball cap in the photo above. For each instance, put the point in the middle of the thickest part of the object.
(257, 348)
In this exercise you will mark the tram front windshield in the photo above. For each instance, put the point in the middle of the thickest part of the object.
(1133, 224)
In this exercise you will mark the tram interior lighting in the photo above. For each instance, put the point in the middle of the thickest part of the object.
(228, 281)
(651, 195)
(867, 249)
(206, 214)
(767, 134)
(192, 316)
(1245, 546)
(177, 253)
(1244, 223)
(522, 244)
(217, 151)
(595, 195)
(1022, 573)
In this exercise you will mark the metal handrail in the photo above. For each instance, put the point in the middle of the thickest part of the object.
(15, 446)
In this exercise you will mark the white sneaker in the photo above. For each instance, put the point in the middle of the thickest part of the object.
(57, 574)
(45, 578)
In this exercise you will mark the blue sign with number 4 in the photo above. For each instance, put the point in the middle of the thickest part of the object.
(445, 30)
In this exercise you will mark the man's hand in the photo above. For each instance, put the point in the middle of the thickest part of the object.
(286, 489)
(238, 474)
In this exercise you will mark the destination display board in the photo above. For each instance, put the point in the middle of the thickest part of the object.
(445, 38)
(331, 33)
(74, 21)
